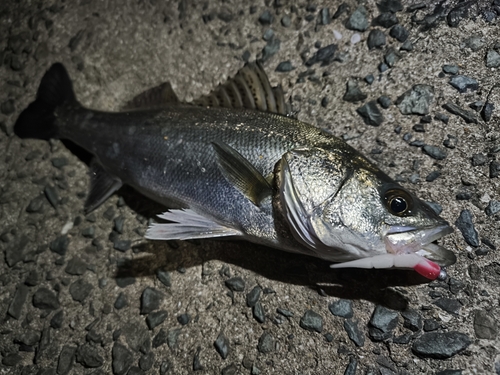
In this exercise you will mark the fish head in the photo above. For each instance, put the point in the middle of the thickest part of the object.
(343, 208)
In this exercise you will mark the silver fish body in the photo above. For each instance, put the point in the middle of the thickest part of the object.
(263, 177)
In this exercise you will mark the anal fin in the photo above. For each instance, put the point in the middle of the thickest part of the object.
(187, 225)
(102, 185)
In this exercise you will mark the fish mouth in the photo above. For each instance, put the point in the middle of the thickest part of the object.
(409, 240)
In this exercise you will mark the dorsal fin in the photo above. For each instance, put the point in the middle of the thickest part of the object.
(158, 96)
(249, 88)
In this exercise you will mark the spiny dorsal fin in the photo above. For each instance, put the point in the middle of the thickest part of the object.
(241, 173)
(249, 88)
(158, 96)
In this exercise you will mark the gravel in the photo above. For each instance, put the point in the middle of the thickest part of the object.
(412, 320)
(357, 20)
(285, 66)
(450, 69)
(122, 359)
(88, 356)
(156, 318)
(354, 333)
(222, 345)
(342, 308)
(464, 83)
(485, 325)
(492, 59)
(353, 92)
(493, 207)
(449, 305)
(236, 284)
(376, 39)
(266, 343)
(17, 303)
(385, 20)
(382, 323)
(440, 345)
(150, 300)
(417, 100)
(400, 33)
(45, 299)
(253, 296)
(370, 114)
(80, 290)
(258, 312)
(435, 152)
(468, 116)
(312, 321)
(465, 225)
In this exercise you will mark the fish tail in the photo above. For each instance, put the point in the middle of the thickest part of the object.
(38, 120)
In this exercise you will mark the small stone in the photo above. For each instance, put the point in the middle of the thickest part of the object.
(493, 208)
(358, 19)
(487, 111)
(284, 312)
(266, 18)
(118, 224)
(66, 359)
(150, 300)
(466, 226)
(353, 93)
(492, 59)
(325, 101)
(59, 162)
(160, 338)
(121, 301)
(80, 290)
(494, 169)
(370, 114)
(407, 46)
(449, 305)
(434, 152)
(440, 345)
(123, 282)
(285, 66)
(147, 361)
(392, 6)
(458, 13)
(109, 214)
(286, 21)
(376, 39)
(343, 8)
(134, 370)
(417, 100)
(433, 176)
(197, 366)
(464, 83)
(122, 245)
(60, 245)
(479, 159)
(351, 367)
(36, 204)
(324, 55)
(399, 33)
(369, 79)
(412, 320)
(442, 117)
(52, 196)
(463, 196)
(57, 320)
(485, 326)
(271, 48)
(342, 308)
(403, 339)
(11, 359)
(312, 321)
(266, 343)
(164, 367)
(122, 359)
(383, 67)
(164, 277)
(7, 107)
(76, 266)
(17, 303)
(45, 299)
(236, 284)
(268, 35)
(430, 325)
(419, 128)
(88, 356)
(382, 322)
(450, 69)
(156, 318)
(384, 101)
(172, 337)
(222, 345)
(385, 20)
(258, 313)
(352, 329)
(184, 319)
(435, 207)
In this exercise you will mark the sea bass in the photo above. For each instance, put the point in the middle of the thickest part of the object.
(236, 166)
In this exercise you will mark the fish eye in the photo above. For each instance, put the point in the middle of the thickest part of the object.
(399, 202)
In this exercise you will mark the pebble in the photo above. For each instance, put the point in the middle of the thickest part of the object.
(284, 312)
(494, 169)
(173, 337)
(76, 266)
(436, 207)
(459, 12)
(222, 345)
(60, 245)
(384, 101)
(7, 107)
(351, 367)
(160, 338)
(271, 48)
(442, 117)
(430, 325)
(449, 305)
(122, 359)
(419, 128)
(342, 308)
(466, 226)
(165, 367)
(236, 284)
(485, 325)
(325, 16)
(463, 196)
(164, 277)
(376, 39)
(36, 204)
(147, 361)
(80, 290)
(59, 162)
(450, 69)
(399, 33)
(285, 66)
(464, 83)
(382, 322)
(286, 21)
(312, 321)
(45, 299)
(323, 55)
(353, 92)
(487, 111)
(150, 300)
(440, 345)
(266, 343)
(197, 366)
(407, 46)
(266, 18)
(184, 319)
(258, 312)
(66, 359)
(122, 245)
(88, 356)
(478, 160)
(355, 38)
(493, 208)
(412, 320)
(417, 100)
(57, 320)
(392, 6)
(403, 339)
(382, 67)
(492, 59)
(156, 318)
(343, 8)
(369, 79)
(123, 282)
(435, 152)
(357, 20)
(325, 101)
(370, 114)
(17, 303)
(11, 359)
(268, 35)
(121, 301)
(385, 20)
(354, 333)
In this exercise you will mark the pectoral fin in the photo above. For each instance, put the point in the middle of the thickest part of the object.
(187, 225)
(241, 173)
(102, 185)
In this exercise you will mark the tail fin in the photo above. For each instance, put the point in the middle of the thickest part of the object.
(38, 119)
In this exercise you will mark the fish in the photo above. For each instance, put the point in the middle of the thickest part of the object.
(236, 164)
